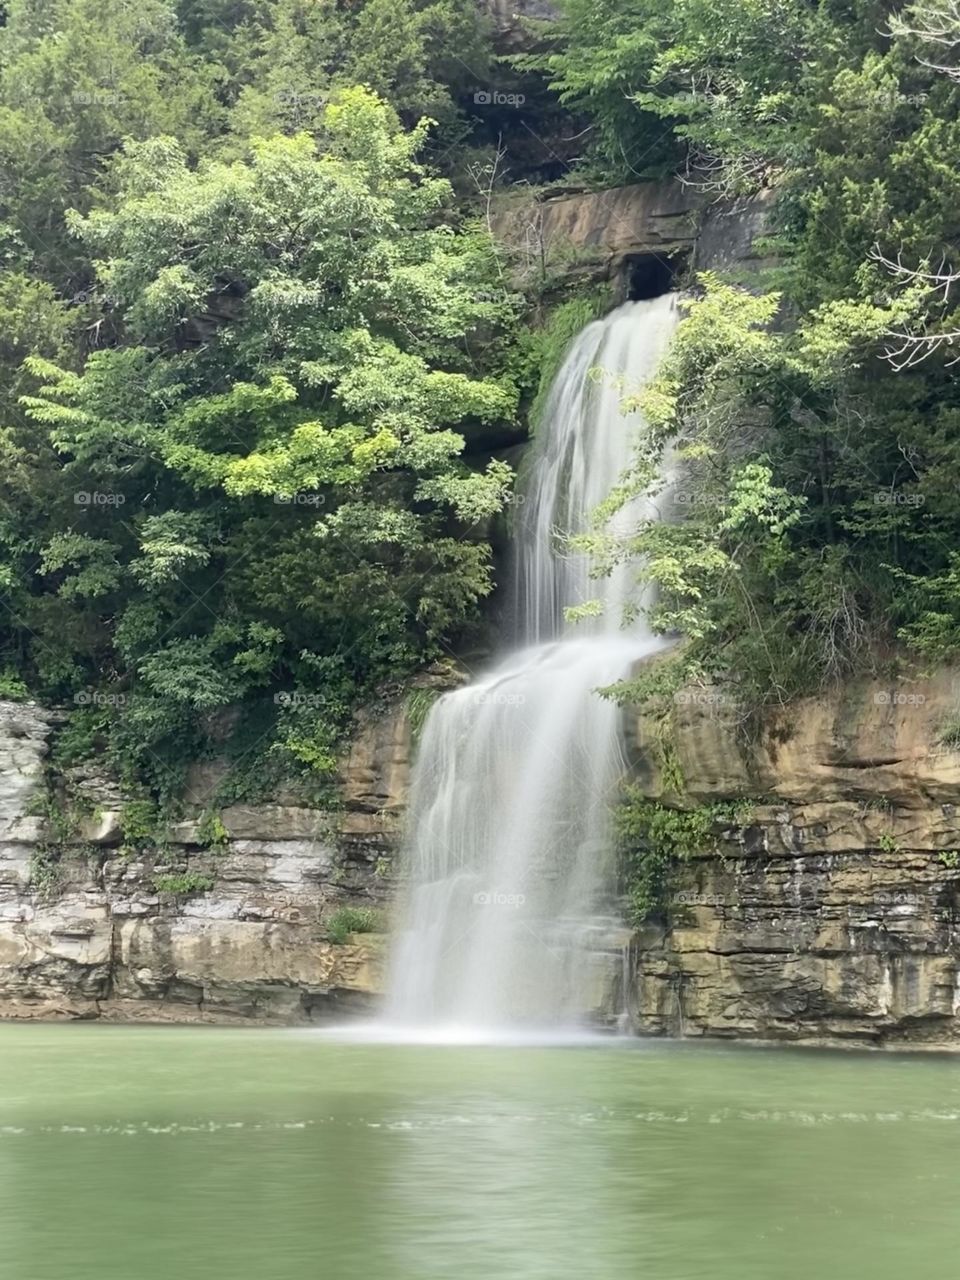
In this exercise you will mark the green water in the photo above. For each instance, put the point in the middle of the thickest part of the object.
(180, 1153)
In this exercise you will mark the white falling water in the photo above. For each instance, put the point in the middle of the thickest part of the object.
(509, 853)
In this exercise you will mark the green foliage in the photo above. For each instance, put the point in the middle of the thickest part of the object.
(252, 478)
(140, 824)
(653, 841)
(211, 831)
(46, 871)
(347, 920)
(549, 343)
(247, 329)
(815, 422)
(949, 858)
(61, 819)
(182, 883)
(796, 511)
(12, 687)
(418, 706)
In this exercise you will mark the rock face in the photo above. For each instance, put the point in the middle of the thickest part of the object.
(831, 913)
(608, 234)
(89, 930)
(828, 911)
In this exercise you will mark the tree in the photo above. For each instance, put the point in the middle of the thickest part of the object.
(275, 480)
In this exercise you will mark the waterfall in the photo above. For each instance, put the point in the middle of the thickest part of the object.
(509, 854)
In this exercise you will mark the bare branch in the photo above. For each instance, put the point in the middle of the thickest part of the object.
(915, 348)
(906, 350)
(935, 22)
(939, 280)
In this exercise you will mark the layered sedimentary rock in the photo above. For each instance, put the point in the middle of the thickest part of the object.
(602, 234)
(90, 928)
(830, 911)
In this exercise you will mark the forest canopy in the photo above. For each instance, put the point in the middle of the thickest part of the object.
(253, 317)
(818, 423)
(245, 331)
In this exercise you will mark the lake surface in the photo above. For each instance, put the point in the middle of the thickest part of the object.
(141, 1153)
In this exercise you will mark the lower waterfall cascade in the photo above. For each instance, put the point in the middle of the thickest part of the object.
(511, 882)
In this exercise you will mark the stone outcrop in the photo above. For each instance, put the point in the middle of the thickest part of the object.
(240, 931)
(829, 910)
(602, 234)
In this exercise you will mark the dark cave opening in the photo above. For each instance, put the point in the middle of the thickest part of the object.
(650, 275)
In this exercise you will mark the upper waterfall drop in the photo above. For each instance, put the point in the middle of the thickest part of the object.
(509, 852)
(580, 453)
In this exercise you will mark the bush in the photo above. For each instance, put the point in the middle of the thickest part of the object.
(653, 840)
(183, 882)
(347, 920)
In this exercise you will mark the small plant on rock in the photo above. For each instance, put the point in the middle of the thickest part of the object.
(182, 883)
(347, 920)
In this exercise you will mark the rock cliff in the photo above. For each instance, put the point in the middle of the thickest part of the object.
(827, 912)
(621, 233)
(831, 914)
(90, 927)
